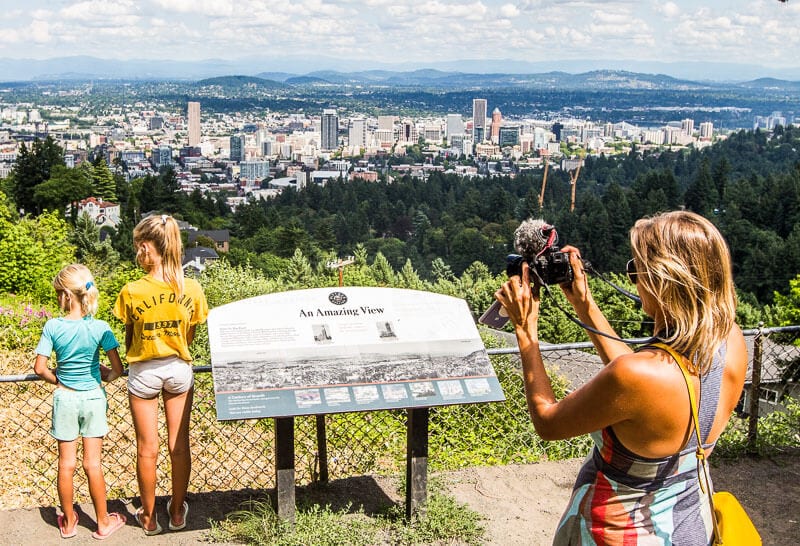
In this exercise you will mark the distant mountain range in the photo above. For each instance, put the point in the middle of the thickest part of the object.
(600, 80)
(455, 74)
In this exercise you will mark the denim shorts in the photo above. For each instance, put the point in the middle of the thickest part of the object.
(79, 413)
(146, 379)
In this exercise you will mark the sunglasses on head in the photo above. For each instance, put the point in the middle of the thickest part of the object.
(630, 269)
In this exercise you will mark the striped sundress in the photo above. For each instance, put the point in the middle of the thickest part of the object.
(621, 498)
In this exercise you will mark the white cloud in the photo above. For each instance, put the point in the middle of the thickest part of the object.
(40, 32)
(669, 9)
(209, 8)
(509, 10)
(96, 10)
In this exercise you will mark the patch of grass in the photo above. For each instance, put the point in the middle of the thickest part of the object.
(444, 521)
(258, 523)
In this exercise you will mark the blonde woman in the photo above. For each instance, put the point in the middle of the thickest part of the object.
(640, 483)
(79, 400)
(160, 312)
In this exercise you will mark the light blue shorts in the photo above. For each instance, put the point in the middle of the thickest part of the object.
(79, 413)
(148, 378)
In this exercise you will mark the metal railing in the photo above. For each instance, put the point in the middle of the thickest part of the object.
(237, 455)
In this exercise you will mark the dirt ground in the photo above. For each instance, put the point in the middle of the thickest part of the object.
(520, 504)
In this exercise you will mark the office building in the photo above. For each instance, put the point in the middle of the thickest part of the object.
(193, 115)
(161, 157)
(706, 130)
(497, 121)
(357, 135)
(507, 135)
(237, 147)
(254, 171)
(454, 126)
(408, 132)
(479, 120)
(329, 129)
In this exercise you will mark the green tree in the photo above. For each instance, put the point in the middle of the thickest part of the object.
(65, 187)
(33, 166)
(99, 256)
(103, 183)
(32, 251)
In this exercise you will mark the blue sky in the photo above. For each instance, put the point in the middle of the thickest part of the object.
(759, 32)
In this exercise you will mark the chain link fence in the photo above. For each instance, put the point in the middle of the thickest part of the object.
(240, 455)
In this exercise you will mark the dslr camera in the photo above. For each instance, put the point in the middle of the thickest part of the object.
(536, 242)
(550, 267)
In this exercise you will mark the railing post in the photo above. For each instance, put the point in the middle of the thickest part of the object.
(755, 389)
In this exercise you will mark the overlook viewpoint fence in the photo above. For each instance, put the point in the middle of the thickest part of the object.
(237, 455)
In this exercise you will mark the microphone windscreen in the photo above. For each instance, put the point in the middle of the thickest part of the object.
(531, 237)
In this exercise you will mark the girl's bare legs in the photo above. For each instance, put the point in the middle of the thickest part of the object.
(177, 408)
(67, 461)
(92, 465)
(145, 420)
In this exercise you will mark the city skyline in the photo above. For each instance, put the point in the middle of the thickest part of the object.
(494, 35)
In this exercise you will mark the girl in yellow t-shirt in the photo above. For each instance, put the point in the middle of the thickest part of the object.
(160, 312)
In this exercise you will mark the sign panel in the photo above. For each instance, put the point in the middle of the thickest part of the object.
(331, 350)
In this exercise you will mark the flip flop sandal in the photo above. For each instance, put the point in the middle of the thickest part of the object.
(67, 533)
(172, 526)
(120, 523)
(148, 532)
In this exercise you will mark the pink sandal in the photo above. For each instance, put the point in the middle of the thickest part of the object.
(62, 526)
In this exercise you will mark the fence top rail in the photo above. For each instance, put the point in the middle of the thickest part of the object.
(544, 347)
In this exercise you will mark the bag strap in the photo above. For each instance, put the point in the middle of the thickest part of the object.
(702, 468)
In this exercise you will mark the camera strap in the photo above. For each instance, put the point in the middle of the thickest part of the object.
(572, 318)
(552, 237)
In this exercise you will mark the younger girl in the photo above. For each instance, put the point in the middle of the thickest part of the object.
(160, 312)
(79, 402)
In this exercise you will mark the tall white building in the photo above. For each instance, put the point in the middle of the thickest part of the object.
(687, 126)
(357, 135)
(329, 130)
(454, 126)
(193, 116)
(706, 130)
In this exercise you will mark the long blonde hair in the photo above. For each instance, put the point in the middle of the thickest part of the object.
(163, 233)
(77, 281)
(684, 263)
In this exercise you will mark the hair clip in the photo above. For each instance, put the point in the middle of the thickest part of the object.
(164, 219)
(89, 285)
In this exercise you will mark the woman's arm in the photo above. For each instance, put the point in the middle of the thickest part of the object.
(41, 369)
(579, 296)
(128, 337)
(599, 403)
(116, 366)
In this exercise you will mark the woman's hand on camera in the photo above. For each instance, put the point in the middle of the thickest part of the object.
(576, 292)
(520, 300)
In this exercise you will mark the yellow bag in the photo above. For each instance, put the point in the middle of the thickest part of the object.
(734, 526)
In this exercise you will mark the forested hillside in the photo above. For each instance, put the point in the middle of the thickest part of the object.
(749, 185)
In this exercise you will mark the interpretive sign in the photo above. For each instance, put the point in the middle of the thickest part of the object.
(333, 350)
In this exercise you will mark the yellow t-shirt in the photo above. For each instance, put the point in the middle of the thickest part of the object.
(160, 319)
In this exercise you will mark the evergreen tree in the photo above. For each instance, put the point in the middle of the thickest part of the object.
(98, 255)
(31, 169)
(103, 183)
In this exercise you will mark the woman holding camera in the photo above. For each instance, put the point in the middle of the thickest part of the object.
(640, 483)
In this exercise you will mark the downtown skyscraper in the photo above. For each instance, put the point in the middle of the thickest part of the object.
(193, 116)
(329, 129)
(479, 107)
